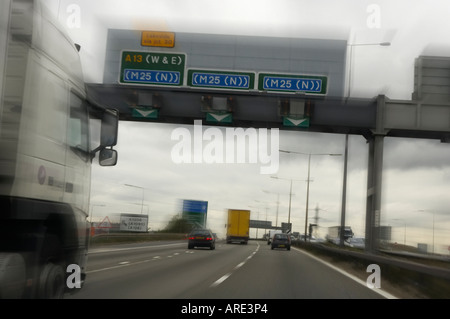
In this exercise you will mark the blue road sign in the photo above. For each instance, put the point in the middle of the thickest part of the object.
(221, 79)
(151, 77)
(195, 206)
(292, 83)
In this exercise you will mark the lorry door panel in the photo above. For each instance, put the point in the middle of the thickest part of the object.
(41, 150)
(78, 171)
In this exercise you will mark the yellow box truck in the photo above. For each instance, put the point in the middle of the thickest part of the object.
(238, 226)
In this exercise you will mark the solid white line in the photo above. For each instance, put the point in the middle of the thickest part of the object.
(377, 290)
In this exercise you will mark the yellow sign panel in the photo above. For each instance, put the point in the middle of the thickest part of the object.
(158, 39)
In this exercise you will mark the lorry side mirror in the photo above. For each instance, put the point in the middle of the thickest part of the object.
(110, 127)
(107, 157)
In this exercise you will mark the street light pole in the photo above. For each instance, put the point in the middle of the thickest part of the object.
(258, 201)
(433, 232)
(142, 205)
(307, 196)
(290, 193)
(404, 230)
(404, 236)
(432, 212)
(256, 217)
(290, 201)
(344, 194)
(278, 205)
(383, 44)
(308, 180)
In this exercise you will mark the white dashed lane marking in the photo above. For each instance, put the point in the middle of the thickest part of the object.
(225, 277)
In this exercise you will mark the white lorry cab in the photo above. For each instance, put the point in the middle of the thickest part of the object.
(46, 154)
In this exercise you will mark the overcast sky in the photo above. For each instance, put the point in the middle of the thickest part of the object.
(416, 176)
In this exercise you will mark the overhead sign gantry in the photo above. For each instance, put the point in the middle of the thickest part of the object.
(272, 83)
(158, 69)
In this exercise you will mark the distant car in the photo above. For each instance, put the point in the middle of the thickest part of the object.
(201, 238)
(281, 240)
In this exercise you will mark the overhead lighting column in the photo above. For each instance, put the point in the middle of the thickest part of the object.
(142, 204)
(308, 180)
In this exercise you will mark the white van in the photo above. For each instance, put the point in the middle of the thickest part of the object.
(271, 233)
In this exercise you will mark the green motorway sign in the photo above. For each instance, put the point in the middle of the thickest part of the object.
(152, 68)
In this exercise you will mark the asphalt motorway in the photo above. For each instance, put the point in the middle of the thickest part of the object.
(169, 270)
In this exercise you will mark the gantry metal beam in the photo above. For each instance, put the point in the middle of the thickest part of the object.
(249, 109)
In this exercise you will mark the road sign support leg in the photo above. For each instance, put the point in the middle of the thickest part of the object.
(374, 180)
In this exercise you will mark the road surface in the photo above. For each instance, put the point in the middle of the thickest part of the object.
(169, 270)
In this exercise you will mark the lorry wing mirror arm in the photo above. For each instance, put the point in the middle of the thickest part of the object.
(110, 128)
(108, 138)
